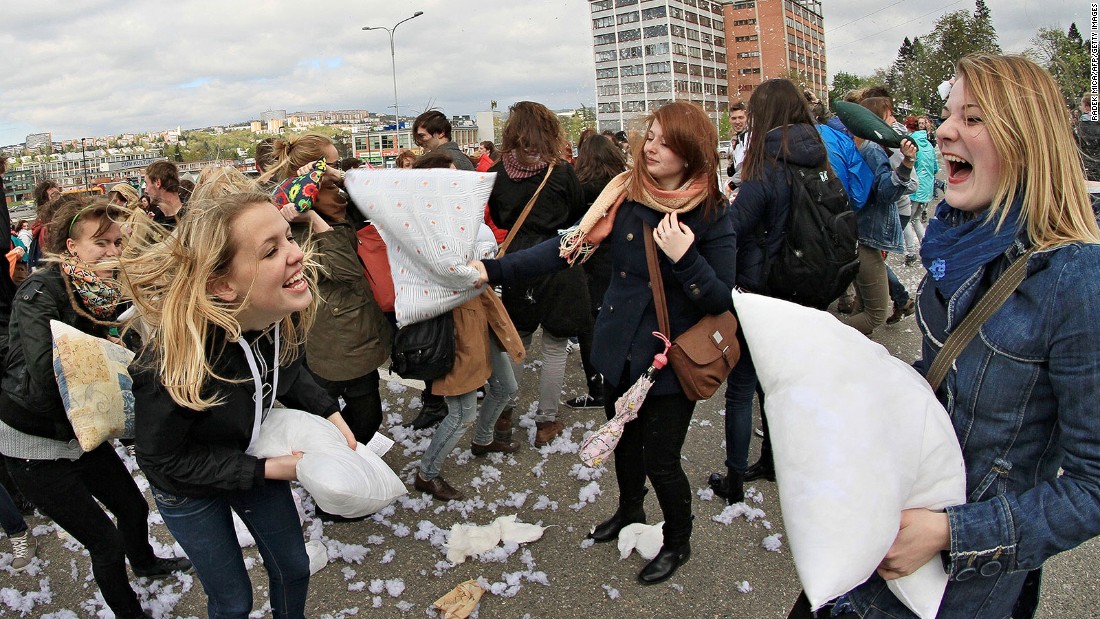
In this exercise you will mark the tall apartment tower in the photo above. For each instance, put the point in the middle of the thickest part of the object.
(651, 52)
(775, 38)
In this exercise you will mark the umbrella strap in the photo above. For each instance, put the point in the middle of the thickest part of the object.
(655, 281)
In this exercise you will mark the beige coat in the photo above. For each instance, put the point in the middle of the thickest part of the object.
(474, 321)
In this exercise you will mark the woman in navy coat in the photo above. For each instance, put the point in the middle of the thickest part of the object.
(673, 189)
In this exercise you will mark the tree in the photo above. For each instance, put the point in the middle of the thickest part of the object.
(1074, 35)
(583, 118)
(844, 82)
(899, 72)
(983, 34)
(1066, 57)
(930, 59)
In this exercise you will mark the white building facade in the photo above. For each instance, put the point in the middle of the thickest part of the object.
(651, 52)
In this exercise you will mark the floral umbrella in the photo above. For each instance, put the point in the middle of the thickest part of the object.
(600, 444)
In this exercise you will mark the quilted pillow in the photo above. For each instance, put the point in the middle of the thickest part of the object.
(95, 385)
(429, 220)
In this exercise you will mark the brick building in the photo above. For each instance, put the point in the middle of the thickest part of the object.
(774, 38)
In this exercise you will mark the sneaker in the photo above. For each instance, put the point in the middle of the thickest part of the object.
(573, 345)
(910, 260)
(901, 311)
(585, 401)
(23, 549)
(163, 567)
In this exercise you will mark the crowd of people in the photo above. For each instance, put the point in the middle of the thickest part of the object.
(242, 292)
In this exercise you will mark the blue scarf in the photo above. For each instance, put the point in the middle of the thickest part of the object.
(957, 243)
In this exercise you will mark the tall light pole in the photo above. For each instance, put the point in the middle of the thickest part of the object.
(84, 161)
(393, 64)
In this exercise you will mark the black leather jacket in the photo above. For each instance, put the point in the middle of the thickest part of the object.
(202, 453)
(29, 384)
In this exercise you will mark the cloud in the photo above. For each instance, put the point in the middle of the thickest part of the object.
(111, 66)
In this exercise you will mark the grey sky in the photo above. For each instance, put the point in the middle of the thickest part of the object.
(101, 67)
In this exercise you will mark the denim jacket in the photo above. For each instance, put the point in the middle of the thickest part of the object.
(879, 224)
(1022, 397)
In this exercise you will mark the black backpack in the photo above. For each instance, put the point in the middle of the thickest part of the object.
(819, 257)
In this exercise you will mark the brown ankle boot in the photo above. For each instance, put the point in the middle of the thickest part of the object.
(503, 430)
(547, 431)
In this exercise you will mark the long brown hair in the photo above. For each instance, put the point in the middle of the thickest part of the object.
(689, 133)
(775, 104)
(532, 133)
(293, 153)
(598, 158)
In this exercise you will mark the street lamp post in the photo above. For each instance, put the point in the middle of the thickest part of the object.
(84, 162)
(393, 64)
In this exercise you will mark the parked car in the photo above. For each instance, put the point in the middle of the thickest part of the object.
(725, 147)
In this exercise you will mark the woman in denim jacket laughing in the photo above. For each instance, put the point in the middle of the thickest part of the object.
(1022, 395)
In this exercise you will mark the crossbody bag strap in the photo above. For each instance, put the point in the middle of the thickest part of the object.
(655, 281)
(523, 215)
(990, 302)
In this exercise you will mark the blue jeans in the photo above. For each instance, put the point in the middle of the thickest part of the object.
(204, 528)
(898, 294)
(10, 519)
(462, 411)
(740, 387)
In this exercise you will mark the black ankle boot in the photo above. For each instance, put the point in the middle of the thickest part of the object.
(764, 468)
(665, 564)
(609, 530)
(730, 486)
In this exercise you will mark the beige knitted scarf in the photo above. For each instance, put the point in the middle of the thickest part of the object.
(579, 242)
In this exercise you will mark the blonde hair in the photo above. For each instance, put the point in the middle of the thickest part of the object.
(1042, 168)
(219, 181)
(167, 282)
(295, 152)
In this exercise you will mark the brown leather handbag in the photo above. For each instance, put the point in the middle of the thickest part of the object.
(704, 355)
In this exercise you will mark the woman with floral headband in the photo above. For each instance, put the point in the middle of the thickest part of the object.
(47, 464)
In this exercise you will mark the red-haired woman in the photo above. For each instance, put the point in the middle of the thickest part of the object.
(674, 190)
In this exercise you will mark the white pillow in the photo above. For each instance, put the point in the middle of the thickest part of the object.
(343, 482)
(429, 220)
(94, 380)
(857, 436)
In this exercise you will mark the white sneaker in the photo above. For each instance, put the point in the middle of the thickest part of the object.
(23, 549)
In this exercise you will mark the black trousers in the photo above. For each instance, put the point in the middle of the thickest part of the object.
(650, 448)
(66, 491)
(362, 403)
